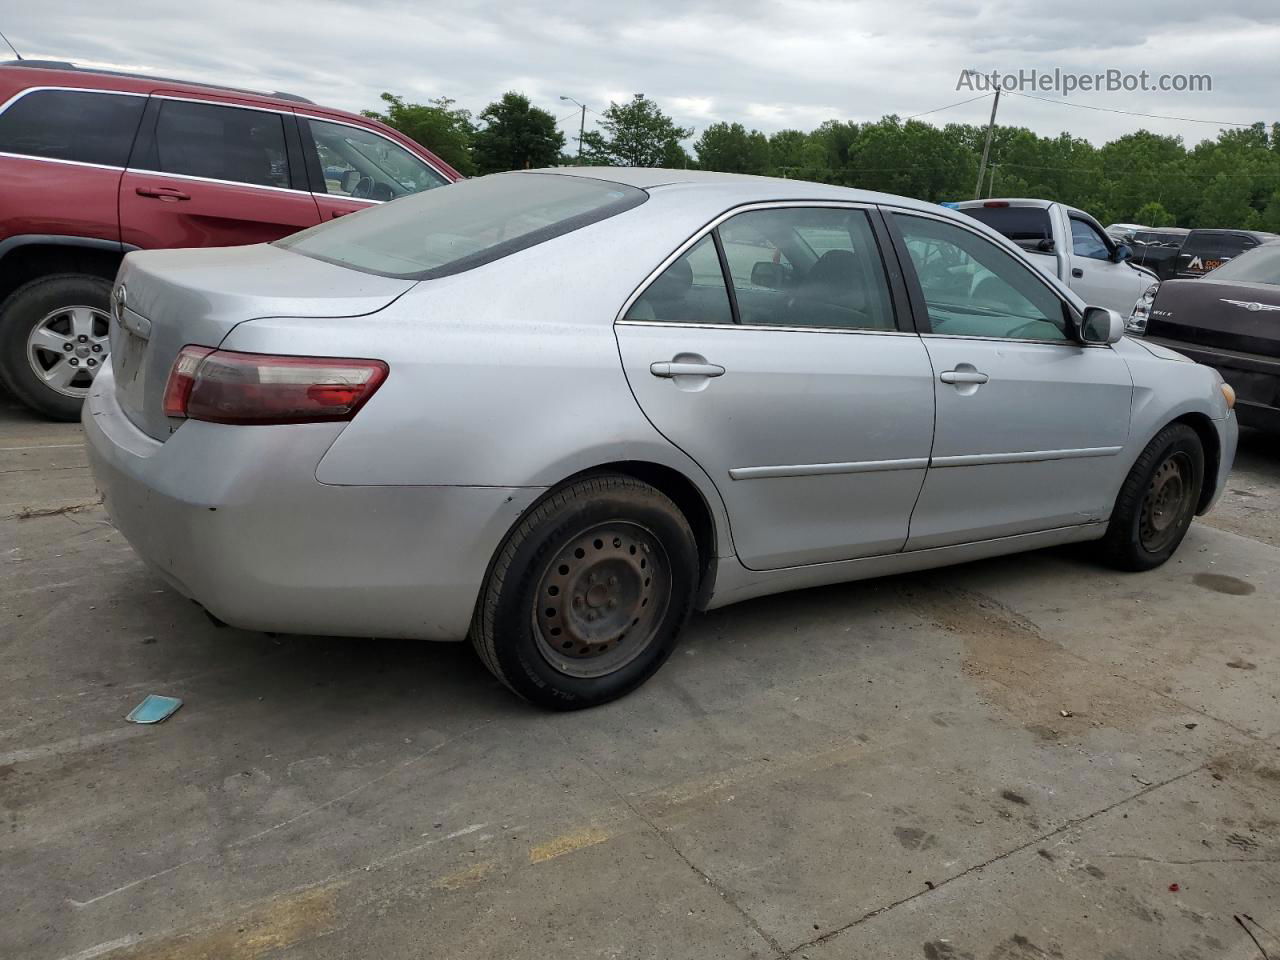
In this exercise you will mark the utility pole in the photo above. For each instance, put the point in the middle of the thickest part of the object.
(991, 184)
(986, 149)
(582, 125)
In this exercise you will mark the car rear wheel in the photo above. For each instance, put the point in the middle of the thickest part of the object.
(53, 341)
(588, 594)
(1157, 502)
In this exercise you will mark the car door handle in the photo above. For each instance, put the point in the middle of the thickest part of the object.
(963, 376)
(1077, 272)
(335, 214)
(675, 368)
(162, 193)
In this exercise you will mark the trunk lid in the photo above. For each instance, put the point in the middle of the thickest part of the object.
(1242, 317)
(177, 297)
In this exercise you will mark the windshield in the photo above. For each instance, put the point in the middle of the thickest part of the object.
(1260, 265)
(449, 230)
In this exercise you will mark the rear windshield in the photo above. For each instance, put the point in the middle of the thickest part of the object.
(1260, 265)
(462, 226)
(1023, 225)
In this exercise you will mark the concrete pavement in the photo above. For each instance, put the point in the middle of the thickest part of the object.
(865, 771)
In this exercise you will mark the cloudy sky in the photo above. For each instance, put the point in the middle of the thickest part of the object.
(766, 63)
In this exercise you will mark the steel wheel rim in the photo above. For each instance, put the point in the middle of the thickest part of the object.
(1166, 503)
(67, 347)
(601, 599)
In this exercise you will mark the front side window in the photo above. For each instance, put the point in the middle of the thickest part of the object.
(972, 288)
(441, 232)
(807, 267)
(1086, 241)
(72, 125)
(361, 164)
(691, 290)
(221, 143)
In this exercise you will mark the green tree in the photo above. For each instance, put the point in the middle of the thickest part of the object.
(515, 136)
(440, 127)
(730, 148)
(786, 152)
(1153, 214)
(636, 134)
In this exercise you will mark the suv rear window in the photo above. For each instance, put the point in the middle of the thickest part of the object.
(456, 228)
(72, 125)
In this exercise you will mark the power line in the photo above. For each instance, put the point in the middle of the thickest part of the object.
(1128, 113)
(948, 106)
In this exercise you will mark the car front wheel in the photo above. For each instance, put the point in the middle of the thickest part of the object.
(587, 596)
(1157, 502)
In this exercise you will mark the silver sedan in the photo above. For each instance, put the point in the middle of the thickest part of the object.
(557, 411)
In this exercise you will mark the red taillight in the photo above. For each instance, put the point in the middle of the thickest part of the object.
(181, 379)
(225, 387)
(996, 203)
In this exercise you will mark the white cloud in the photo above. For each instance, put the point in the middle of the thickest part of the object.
(765, 63)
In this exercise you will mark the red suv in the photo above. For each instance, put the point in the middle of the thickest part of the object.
(94, 164)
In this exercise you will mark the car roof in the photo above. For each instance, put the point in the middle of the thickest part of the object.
(1231, 232)
(737, 188)
(150, 80)
(1008, 202)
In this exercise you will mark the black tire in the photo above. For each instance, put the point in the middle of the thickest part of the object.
(583, 565)
(1157, 501)
(26, 308)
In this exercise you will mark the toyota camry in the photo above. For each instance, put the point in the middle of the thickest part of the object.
(556, 411)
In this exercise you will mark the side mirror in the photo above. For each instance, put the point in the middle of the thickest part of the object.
(1101, 325)
(766, 273)
(1123, 252)
(1045, 245)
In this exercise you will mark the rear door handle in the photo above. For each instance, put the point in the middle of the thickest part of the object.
(162, 193)
(1077, 272)
(675, 368)
(963, 376)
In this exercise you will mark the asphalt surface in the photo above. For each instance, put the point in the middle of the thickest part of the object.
(1031, 757)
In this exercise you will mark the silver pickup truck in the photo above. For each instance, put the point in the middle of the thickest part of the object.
(1068, 244)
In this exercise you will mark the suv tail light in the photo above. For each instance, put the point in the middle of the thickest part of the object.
(221, 386)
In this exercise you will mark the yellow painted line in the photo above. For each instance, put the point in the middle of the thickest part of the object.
(569, 842)
(465, 878)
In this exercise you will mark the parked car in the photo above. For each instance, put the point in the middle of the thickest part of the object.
(1229, 320)
(94, 164)
(1157, 249)
(557, 410)
(1123, 232)
(1206, 250)
(1070, 245)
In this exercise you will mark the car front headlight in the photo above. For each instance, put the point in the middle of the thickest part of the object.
(1137, 322)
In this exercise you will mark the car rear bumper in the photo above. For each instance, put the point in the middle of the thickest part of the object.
(234, 518)
(1254, 377)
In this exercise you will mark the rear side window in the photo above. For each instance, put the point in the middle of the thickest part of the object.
(1025, 226)
(72, 125)
(807, 267)
(1216, 245)
(447, 231)
(221, 143)
(691, 290)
